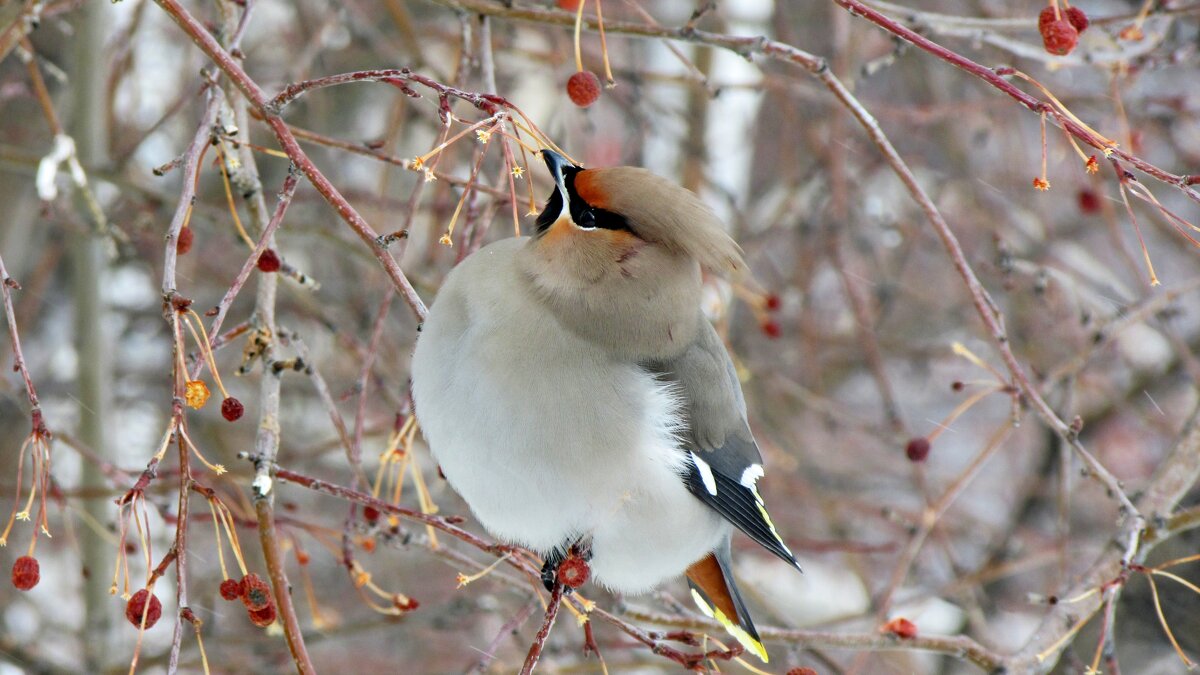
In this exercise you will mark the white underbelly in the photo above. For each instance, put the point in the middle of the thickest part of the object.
(552, 441)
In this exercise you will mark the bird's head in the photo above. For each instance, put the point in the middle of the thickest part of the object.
(624, 245)
(623, 209)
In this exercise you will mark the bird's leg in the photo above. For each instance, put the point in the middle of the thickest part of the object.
(550, 567)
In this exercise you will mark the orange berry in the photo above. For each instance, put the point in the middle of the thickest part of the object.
(583, 88)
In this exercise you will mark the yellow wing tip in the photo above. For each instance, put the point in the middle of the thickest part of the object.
(744, 638)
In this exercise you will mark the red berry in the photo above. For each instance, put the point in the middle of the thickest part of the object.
(1089, 201)
(802, 671)
(184, 243)
(901, 628)
(263, 617)
(1046, 17)
(574, 571)
(1077, 18)
(404, 604)
(571, 5)
(772, 329)
(231, 589)
(917, 449)
(256, 594)
(583, 88)
(773, 302)
(370, 513)
(137, 605)
(26, 573)
(232, 409)
(1059, 37)
(268, 261)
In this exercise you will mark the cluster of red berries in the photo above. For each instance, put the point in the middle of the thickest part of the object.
(1060, 29)
(255, 594)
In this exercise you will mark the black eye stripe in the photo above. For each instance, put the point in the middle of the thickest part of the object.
(583, 214)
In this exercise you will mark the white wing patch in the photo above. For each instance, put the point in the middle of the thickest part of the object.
(706, 474)
(751, 475)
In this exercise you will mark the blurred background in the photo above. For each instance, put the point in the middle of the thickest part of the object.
(856, 341)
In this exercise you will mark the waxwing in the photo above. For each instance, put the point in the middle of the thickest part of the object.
(576, 397)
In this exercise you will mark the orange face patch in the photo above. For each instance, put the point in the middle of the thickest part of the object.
(590, 189)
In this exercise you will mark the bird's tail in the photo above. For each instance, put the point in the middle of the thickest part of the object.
(714, 590)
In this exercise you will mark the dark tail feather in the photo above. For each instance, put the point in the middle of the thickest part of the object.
(716, 593)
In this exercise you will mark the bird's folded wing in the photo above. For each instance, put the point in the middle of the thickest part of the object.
(724, 461)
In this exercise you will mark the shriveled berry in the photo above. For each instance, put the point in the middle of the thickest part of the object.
(802, 670)
(231, 589)
(268, 261)
(901, 628)
(1077, 18)
(1059, 37)
(26, 573)
(256, 593)
(772, 329)
(137, 605)
(370, 513)
(957, 385)
(184, 243)
(917, 449)
(574, 571)
(583, 88)
(263, 617)
(232, 409)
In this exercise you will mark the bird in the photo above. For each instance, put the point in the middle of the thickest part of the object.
(574, 394)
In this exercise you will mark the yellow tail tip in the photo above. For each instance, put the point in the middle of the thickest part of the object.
(743, 637)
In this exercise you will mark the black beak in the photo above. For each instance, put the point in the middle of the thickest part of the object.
(556, 163)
